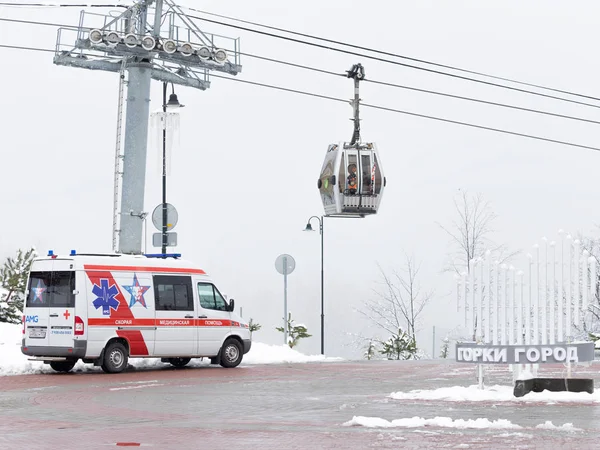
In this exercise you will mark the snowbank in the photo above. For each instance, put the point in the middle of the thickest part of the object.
(13, 362)
(494, 394)
(447, 422)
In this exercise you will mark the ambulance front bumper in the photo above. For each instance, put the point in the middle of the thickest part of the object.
(77, 351)
(247, 345)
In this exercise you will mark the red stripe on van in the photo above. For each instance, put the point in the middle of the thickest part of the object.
(213, 323)
(112, 322)
(137, 346)
(170, 322)
(145, 269)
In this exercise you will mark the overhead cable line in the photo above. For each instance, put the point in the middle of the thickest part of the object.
(485, 102)
(375, 58)
(383, 108)
(409, 113)
(19, 47)
(382, 52)
(57, 5)
(426, 91)
(33, 22)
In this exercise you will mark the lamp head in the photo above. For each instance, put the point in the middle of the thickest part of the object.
(174, 102)
(309, 227)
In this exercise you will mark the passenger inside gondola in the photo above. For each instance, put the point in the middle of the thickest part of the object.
(352, 179)
(366, 174)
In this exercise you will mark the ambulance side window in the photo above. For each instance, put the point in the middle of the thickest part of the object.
(173, 293)
(210, 298)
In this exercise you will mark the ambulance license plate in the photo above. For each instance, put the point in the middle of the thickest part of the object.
(37, 333)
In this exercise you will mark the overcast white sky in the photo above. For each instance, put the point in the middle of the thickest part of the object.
(244, 178)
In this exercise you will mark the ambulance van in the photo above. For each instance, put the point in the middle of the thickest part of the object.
(105, 309)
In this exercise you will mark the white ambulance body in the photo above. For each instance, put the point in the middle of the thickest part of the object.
(104, 309)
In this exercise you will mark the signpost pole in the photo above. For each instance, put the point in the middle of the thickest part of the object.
(285, 264)
(285, 311)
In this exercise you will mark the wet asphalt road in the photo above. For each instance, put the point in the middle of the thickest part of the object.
(284, 406)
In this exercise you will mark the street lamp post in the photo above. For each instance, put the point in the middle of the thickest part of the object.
(172, 103)
(310, 228)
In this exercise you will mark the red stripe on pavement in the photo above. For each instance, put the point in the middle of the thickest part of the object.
(144, 269)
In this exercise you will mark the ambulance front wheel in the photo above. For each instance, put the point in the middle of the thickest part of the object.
(115, 358)
(231, 353)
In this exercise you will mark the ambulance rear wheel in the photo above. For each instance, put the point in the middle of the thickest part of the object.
(231, 353)
(179, 362)
(63, 366)
(115, 358)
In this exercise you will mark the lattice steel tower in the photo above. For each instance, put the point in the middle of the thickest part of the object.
(134, 45)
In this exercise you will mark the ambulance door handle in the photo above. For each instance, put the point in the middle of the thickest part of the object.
(189, 317)
(202, 317)
(53, 315)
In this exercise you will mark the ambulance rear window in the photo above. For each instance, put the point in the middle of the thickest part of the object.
(51, 289)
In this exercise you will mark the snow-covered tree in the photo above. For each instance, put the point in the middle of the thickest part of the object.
(295, 332)
(371, 350)
(400, 345)
(13, 279)
(254, 326)
(445, 348)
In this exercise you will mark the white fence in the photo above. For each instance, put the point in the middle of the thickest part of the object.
(546, 304)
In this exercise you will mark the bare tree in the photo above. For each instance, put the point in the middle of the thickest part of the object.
(592, 245)
(470, 233)
(399, 303)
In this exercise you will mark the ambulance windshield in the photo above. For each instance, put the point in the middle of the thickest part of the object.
(51, 289)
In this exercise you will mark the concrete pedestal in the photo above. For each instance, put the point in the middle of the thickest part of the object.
(523, 387)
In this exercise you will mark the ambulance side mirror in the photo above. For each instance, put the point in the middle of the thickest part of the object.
(231, 305)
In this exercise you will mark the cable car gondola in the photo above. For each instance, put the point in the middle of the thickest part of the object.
(352, 180)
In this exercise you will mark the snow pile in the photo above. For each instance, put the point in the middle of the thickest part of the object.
(13, 362)
(548, 425)
(444, 422)
(494, 394)
(447, 422)
(275, 354)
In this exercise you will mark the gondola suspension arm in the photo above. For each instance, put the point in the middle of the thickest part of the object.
(357, 72)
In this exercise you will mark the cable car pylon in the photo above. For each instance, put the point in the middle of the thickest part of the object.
(351, 183)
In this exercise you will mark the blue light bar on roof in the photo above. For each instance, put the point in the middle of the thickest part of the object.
(163, 255)
(73, 252)
(50, 252)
